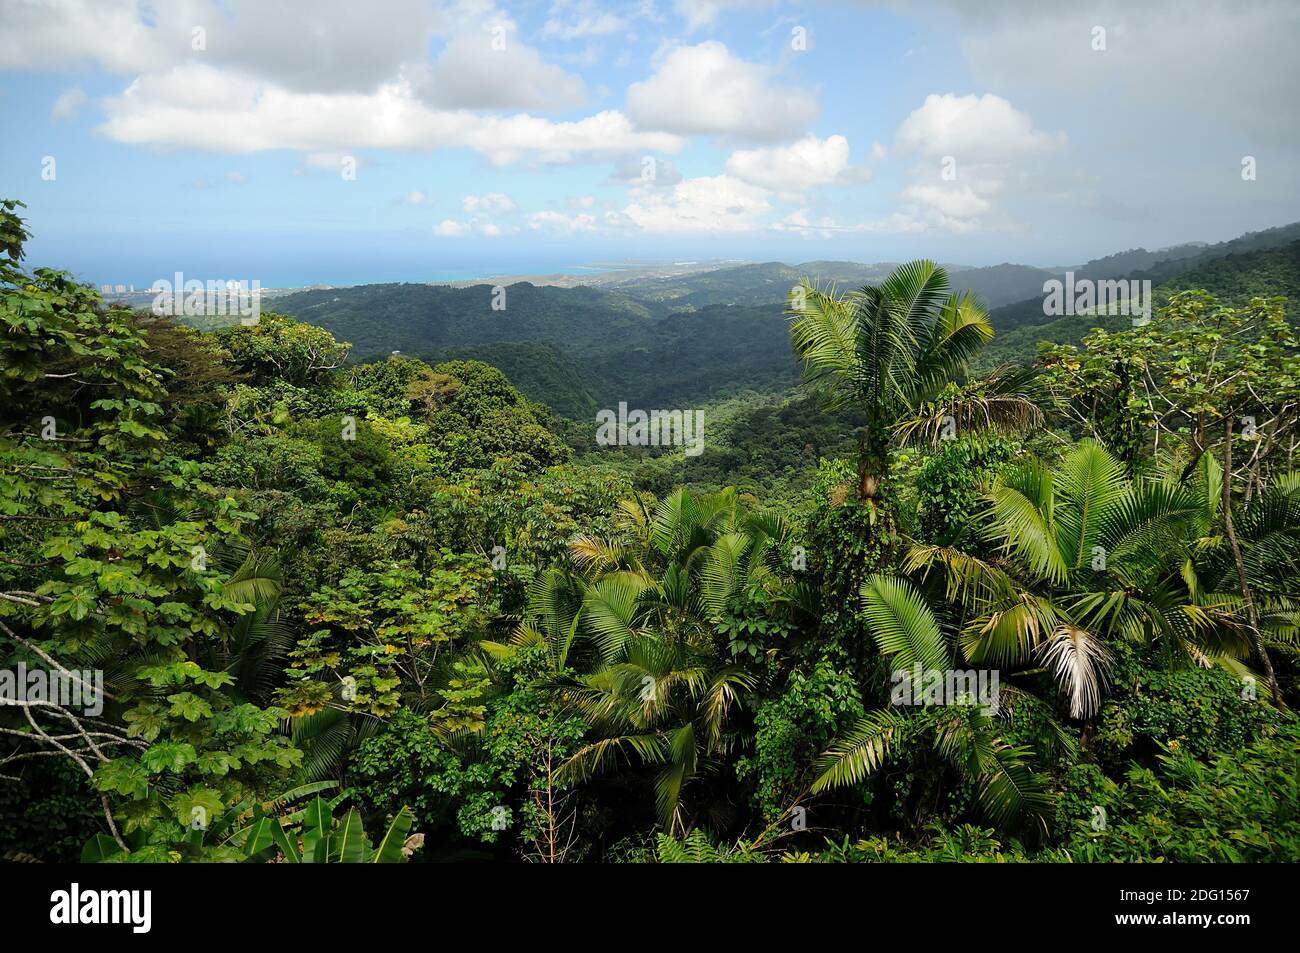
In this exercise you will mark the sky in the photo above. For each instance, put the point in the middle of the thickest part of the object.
(340, 142)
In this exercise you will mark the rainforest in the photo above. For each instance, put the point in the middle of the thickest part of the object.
(531, 452)
(919, 607)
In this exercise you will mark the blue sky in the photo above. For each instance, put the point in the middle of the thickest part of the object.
(218, 137)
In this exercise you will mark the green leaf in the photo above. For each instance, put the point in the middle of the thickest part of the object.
(169, 756)
(348, 844)
(123, 776)
(202, 805)
(389, 850)
(189, 706)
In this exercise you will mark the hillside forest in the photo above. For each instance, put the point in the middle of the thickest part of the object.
(930, 593)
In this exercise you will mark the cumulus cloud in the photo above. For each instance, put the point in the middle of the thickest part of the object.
(482, 70)
(198, 106)
(966, 149)
(717, 203)
(61, 33)
(481, 208)
(336, 44)
(245, 75)
(328, 46)
(802, 165)
(973, 129)
(704, 89)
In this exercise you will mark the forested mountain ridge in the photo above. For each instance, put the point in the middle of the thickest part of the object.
(353, 612)
(709, 335)
(1161, 272)
(1234, 277)
(621, 348)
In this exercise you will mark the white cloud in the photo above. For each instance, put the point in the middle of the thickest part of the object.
(705, 89)
(480, 208)
(717, 203)
(328, 46)
(648, 172)
(473, 73)
(450, 228)
(68, 104)
(973, 129)
(491, 202)
(336, 44)
(558, 221)
(198, 106)
(416, 198)
(950, 201)
(334, 77)
(800, 166)
(967, 148)
(574, 19)
(59, 34)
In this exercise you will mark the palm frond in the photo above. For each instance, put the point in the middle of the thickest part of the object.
(864, 749)
(1081, 664)
(902, 625)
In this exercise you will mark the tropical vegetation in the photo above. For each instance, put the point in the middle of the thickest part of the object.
(930, 608)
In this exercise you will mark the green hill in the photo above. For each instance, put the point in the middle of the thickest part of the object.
(575, 349)
(679, 340)
(1233, 278)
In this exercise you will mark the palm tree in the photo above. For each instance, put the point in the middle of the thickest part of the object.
(965, 736)
(1086, 556)
(891, 350)
(252, 650)
(632, 641)
(1261, 557)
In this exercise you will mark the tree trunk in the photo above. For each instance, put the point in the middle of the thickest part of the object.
(873, 461)
(1252, 614)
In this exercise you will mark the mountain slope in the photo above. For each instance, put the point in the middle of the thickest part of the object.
(1163, 273)
(1233, 279)
(671, 341)
(576, 349)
